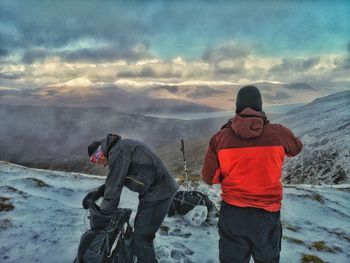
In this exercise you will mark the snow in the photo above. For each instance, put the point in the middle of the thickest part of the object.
(323, 127)
(47, 222)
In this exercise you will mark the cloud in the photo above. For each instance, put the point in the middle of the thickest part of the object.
(346, 62)
(239, 65)
(230, 50)
(34, 55)
(160, 70)
(279, 95)
(3, 52)
(98, 55)
(11, 76)
(296, 65)
(71, 29)
(226, 59)
(229, 67)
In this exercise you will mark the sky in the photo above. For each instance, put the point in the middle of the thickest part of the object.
(48, 42)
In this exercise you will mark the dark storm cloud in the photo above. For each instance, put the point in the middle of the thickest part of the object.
(32, 55)
(343, 63)
(226, 59)
(229, 70)
(346, 64)
(54, 25)
(102, 54)
(3, 52)
(226, 51)
(295, 64)
(11, 76)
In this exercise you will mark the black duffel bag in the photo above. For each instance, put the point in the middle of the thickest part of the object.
(184, 201)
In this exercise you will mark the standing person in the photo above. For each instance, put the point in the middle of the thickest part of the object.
(246, 158)
(133, 164)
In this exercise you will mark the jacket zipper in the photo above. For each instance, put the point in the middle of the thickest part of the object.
(128, 177)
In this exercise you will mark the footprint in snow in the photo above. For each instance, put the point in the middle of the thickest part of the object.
(179, 233)
(175, 252)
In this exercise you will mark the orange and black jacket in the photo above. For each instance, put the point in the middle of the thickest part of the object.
(246, 157)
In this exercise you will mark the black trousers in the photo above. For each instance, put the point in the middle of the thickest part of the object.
(248, 231)
(148, 220)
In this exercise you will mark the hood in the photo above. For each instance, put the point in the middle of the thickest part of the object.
(248, 123)
(109, 142)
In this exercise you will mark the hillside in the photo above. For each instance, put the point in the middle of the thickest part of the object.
(324, 128)
(90, 95)
(41, 220)
(57, 137)
(221, 94)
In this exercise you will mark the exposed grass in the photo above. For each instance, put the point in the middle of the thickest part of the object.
(294, 240)
(37, 182)
(321, 246)
(11, 189)
(290, 227)
(192, 178)
(318, 198)
(5, 204)
(307, 258)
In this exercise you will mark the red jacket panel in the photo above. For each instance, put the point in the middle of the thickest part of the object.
(246, 157)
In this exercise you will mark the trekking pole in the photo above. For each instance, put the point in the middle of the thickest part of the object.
(185, 165)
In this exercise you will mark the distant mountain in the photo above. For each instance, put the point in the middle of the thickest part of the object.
(299, 86)
(85, 94)
(221, 94)
(156, 97)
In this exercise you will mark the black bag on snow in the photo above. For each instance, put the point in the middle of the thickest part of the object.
(184, 201)
(109, 240)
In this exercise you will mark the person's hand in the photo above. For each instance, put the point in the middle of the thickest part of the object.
(93, 195)
(86, 198)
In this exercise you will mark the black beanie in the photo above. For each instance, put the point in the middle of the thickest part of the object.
(248, 96)
(92, 147)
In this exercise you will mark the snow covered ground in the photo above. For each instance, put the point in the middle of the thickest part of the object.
(323, 127)
(41, 220)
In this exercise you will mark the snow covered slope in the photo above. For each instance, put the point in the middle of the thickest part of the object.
(324, 128)
(41, 220)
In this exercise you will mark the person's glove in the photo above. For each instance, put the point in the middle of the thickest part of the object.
(93, 195)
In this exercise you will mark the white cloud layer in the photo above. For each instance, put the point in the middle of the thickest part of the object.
(245, 67)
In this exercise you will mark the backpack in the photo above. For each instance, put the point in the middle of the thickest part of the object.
(109, 240)
(184, 201)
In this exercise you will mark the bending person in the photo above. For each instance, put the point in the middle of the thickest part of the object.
(132, 164)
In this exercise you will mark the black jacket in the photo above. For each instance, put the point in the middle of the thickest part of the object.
(133, 164)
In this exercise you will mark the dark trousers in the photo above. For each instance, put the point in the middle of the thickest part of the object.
(148, 220)
(246, 232)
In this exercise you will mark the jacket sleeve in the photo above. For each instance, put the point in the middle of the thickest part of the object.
(291, 144)
(101, 189)
(115, 181)
(211, 173)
